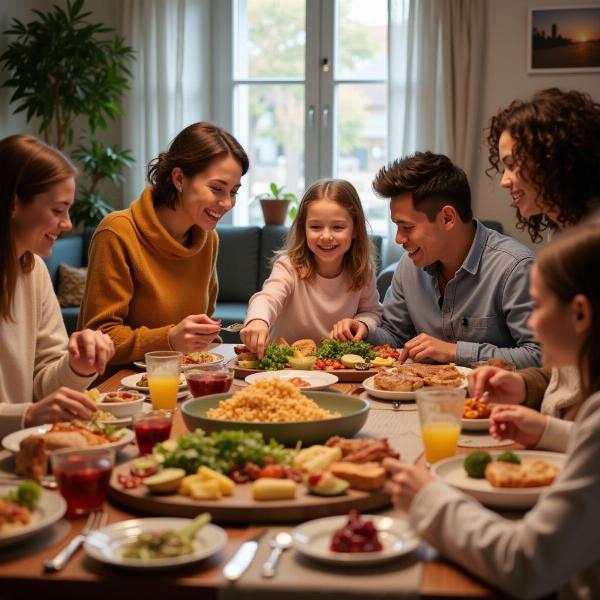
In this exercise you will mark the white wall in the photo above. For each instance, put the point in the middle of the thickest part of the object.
(506, 78)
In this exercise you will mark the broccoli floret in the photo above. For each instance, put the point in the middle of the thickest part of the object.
(27, 494)
(475, 464)
(509, 457)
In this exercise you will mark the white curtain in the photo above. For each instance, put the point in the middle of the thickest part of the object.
(170, 88)
(436, 72)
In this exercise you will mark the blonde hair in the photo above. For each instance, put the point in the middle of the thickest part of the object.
(359, 260)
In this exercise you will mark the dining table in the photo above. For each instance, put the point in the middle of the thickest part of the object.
(22, 573)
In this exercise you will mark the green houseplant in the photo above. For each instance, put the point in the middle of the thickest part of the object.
(63, 67)
(276, 203)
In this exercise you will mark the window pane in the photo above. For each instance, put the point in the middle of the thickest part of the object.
(270, 38)
(361, 39)
(269, 123)
(361, 143)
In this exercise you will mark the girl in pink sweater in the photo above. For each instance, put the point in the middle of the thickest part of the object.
(325, 277)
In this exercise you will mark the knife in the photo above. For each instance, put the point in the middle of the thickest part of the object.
(241, 560)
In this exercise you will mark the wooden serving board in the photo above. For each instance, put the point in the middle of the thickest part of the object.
(343, 375)
(241, 507)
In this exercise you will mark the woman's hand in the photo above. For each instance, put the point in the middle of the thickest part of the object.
(405, 481)
(194, 333)
(519, 423)
(89, 352)
(502, 387)
(256, 336)
(349, 329)
(64, 404)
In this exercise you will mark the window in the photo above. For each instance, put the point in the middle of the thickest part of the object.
(303, 86)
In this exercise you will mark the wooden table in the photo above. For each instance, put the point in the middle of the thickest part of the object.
(24, 577)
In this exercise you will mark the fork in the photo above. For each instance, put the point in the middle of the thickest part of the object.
(96, 520)
(233, 328)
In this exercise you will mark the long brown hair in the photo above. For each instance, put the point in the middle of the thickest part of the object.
(359, 260)
(557, 149)
(570, 266)
(193, 150)
(28, 167)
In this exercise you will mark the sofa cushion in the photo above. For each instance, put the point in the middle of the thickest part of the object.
(67, 250)
(272, 239)
(237, 262)
(71, 285)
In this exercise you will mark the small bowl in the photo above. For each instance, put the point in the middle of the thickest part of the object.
(126, 408)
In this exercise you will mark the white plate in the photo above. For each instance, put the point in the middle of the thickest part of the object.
(318, 379)
(218, 358)
(146, 408)
(451, 471)
(475, 424)
(131, 382)
(369, 385)
(106, 544)
(50, 509)
(313, 538)
(12, 441)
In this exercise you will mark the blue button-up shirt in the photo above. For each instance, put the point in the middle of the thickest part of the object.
(485, 307)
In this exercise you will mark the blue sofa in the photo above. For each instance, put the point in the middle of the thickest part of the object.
(243, 264)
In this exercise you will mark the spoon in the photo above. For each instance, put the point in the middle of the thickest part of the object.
(282, 541)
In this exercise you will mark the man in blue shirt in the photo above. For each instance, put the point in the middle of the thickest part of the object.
(461, 291)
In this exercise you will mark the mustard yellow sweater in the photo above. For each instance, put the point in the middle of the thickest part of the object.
(141, 282)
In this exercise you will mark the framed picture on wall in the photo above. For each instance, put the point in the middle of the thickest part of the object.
(564, 39)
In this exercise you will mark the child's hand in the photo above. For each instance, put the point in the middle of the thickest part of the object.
(519, 423)
(500, 385)
(405, 481)
(256, 336)
(349, 329)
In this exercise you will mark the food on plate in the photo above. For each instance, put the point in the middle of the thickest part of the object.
(103, 415)
(530, 473)
(476, 409)
(359, 450)
(93, 394)
(357, 535)
(362, 366)
(392, 381)
(328, 364)
(165, 481)
(240, 348)
(207, 484)
(500, 363)
(280, 341)
(299, 382)
(386, 351)
(269, 488)
(269, 400)
(334, 349)
(16, 506)
(275, 358)
(378, 361)
(315, 458)
(324, 483)
(509, 457)
(142, 381)
(198, 358)
(143, 467)
(350, 360)
(302, 363)
(34, 450)
(476, 462)
(304, 347)
(248, 360)
(121, 396)
(166, 544)
(224, 451)
(367, 477)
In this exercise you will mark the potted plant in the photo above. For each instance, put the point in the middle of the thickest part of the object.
(275, 205)
(63, 67)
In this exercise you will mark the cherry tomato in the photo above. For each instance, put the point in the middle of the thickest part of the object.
(275, 471)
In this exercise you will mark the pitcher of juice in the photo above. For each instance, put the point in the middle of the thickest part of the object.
(440, 413)
(164, 371)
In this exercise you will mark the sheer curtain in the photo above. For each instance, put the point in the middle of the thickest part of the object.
(170, 87)
(436, 72)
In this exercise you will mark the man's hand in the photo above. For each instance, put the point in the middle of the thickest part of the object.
(426, 346)
(349, 329)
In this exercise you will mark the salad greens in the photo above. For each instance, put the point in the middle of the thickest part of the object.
(335, 349)
(275, 358)
(221, 450)
(27, 494)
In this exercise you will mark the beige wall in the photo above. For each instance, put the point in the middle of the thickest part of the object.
(506, 78)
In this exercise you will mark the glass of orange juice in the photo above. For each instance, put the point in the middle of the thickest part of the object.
(440, 413)
(164, 371)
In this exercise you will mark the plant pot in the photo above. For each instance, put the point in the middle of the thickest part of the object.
(274, 211)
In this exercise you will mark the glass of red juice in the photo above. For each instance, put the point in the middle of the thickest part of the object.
(83, 477)
(210, 379)
(152, 428)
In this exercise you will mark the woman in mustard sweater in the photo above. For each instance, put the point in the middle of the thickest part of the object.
(152, 281)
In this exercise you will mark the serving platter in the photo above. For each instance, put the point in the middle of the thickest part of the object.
(241, 506)
(316, 380)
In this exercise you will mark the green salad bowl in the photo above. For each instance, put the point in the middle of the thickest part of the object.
(353, 414)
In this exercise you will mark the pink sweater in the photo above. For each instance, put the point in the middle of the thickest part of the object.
(297, 308)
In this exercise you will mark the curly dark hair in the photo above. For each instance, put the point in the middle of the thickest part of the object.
(557, 149)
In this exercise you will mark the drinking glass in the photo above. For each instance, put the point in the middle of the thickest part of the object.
(164, 370)
(440, 413)
(210, 379)
(151, 428)
(83, 477)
